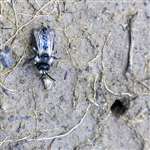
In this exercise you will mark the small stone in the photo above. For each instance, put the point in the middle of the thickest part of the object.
(6, 58)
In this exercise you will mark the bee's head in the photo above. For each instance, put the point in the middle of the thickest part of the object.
(43, 67)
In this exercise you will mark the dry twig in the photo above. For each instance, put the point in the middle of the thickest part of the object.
(26, 24)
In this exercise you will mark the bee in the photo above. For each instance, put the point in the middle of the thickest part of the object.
(43, 48)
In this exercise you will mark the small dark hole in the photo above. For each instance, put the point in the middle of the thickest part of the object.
(119, 107)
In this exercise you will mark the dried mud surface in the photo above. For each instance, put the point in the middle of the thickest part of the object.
(104, 51)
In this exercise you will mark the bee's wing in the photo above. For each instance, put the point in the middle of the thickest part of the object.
(45, 40)
(37, 39)
(51, 39)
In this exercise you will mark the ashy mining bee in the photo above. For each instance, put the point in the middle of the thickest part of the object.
(44, 50)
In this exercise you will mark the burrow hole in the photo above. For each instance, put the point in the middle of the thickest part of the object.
(120, 107)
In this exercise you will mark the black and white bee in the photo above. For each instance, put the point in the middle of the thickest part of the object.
(43, 47)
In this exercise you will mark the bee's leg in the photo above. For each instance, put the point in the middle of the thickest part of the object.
(54, 57)
(42, 77)
(35, 50)
(50, 77)
(28, 60)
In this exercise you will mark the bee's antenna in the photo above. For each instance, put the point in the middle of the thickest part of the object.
(42, 76)
(50, 77)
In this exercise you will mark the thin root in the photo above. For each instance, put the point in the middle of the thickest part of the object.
(53, 137)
